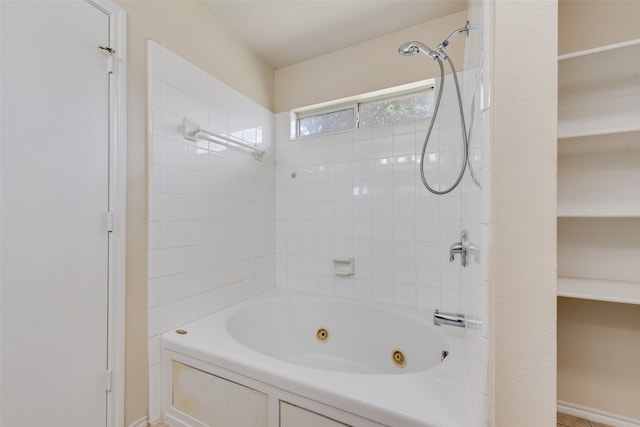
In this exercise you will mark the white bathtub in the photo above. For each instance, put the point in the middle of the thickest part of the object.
(321, 354)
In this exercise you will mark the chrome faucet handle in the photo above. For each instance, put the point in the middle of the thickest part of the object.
(465, 249)
(456, 248)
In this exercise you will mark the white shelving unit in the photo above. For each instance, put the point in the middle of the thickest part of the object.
(599, 173)
(599, 90)
(603, 290)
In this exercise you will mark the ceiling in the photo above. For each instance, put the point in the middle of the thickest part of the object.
(285, 32)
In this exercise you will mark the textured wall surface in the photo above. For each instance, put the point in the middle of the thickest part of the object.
(598, 353)
(523, 263)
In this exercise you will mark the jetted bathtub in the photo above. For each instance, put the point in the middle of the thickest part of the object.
(287, 359)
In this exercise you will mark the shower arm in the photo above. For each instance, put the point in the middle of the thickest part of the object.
(454, 34)
(440, 51)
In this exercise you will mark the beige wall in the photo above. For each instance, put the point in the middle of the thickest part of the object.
(187, 29)
(598, 342)
(585, 24)
(367, 66)
(523, 263)
(598, 354)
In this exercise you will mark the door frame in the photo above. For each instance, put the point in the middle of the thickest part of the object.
(117, 205)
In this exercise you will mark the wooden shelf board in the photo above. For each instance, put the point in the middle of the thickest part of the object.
(600, 49)
(600, 290)
(596, 214)
(628, 142)
(604, 67)
(599, 116)
(599, 132)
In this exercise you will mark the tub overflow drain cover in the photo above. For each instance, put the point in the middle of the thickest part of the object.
(322, 335)
(398, 358)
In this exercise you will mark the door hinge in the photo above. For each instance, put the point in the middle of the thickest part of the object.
(110, 221)
(111, 52)
(108, 380)
(107, 49)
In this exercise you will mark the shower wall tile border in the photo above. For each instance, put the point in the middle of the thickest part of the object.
(476, 203)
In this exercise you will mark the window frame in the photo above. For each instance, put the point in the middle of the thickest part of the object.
(354, 103)
(327, 110)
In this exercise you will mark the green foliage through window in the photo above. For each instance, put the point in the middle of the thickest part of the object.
(412, 106)
(332, 121)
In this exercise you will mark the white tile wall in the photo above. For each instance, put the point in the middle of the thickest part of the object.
(359, 194)
(475, 212)
(211, 207)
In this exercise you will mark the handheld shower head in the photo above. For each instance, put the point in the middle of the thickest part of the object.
(411, 48)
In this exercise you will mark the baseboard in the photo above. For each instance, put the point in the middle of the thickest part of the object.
(596, 415)
(142, 422)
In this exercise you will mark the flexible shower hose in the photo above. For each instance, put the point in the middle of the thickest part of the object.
(465, 140)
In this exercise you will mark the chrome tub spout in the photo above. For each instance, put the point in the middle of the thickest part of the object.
(451, 319)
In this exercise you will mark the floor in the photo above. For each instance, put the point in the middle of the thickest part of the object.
(565, 420)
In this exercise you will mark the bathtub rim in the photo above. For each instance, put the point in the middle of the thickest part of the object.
(397, 399)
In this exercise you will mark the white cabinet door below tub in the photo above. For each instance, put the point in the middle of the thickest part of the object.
(294, 416)
(215, 401)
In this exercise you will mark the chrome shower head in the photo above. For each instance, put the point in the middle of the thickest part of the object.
(411, 48)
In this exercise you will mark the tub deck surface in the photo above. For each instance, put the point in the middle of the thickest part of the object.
(439, 396)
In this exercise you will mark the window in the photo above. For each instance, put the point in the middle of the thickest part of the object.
(331, 121)
(369, 111)
(409, 107)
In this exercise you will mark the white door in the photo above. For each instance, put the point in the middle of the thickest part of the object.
(54, 195)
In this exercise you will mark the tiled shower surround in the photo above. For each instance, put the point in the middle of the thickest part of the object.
(357, 194)
(211, 207)
(475, 202)
(224, 227)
